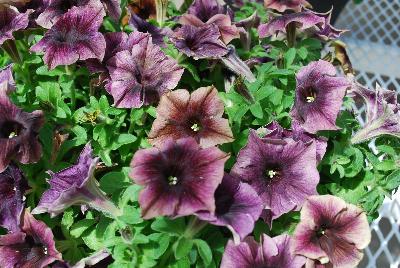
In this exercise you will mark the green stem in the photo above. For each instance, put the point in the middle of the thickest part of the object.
(291, 34)
(11, 49)
(194, 227)
(69, 72)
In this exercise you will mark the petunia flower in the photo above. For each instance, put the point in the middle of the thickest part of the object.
(237, 206)
(142, 74)
(11, 21)
(327, 32)
(75, 185)
(271, 252)
(198, 114)
(18, 134)
(33, 246)
(179, 179)
(245, 26)
(12, 188)
(73, 37)
(145, 9)
(282, 171)
(57, 8)
(206, 9)
(232, 61)
(297, 133)
(199, 42)
(7, 83)
(98, 259)
(113, 8)
(319, 96)
(283, 5)
(382, 113)
(302, 20)
(331, 231)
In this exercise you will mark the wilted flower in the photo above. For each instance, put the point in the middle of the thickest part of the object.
(382, 113)
(297, 133)
(198, 115)
(237, 206)
(145, 9)
(232, 61)
(245, 26)
(331, 231)
(282, 171)
(57, 8)
(11, 21)
(18, 134)
(283, 5)
(33, 246)
(7, 83)
(12, 188)
(200, 42)
(76, 185)
(319, 96)
(302, 20)
(271, 252)
(140, 75)
(73, 37)
(179, 179)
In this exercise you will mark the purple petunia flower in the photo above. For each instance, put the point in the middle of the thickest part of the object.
(12, 188)
(11, 21)
(282, 171)
(302, 20)
(283, 5)
(7, 83)
(271, 252)
(18, 134)
(181, 114)
(206, 9)
(297, 133)
(33, 246)
(200, 42)
(319, 96)
(57, 8)
(382, 113)
(179, 179)
(140, 75)
(73, 37)
(113, 8)
(76, 185)
(237, 206)
(331, 231)
(327, 32)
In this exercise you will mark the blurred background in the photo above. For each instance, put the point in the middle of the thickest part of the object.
(373, 44)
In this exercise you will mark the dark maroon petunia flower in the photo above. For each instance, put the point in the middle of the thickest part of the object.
(298, 134)
(11, 21)
(382, 113)
(270, 253)
(73, 37)
(237, 206)
(7, 83)
(57, 8)
(32, 247)
(76, 185)
(18, 134)
(206, 9)
(179, 179)
(12, 188)
(283, 5)
(198, 115)
(331, 231)
(282, 171)
(319, 96)
(142, 74)
(200, 42)
(302, 20)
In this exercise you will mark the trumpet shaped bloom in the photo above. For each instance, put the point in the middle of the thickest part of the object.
(283, 5)
(282, 171)
(140, 75)
(319, 96)
(73, 37)
(270, 253)
(18, 134)
(7, 83)
(331, 231)
(76, 185)
(198, 114)
(238, 207)
(382, 113)
(179, 179)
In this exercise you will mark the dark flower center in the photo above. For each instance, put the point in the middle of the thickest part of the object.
(310, 94)
(10, 129)
(194, 124)
(321, 230)
(173, 175)
(273, 172)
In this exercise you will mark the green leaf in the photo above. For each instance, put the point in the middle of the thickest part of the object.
(165, 225)
(67, 219)
(114, 181)
(79, 227)
(204, 250)
(183, 247)
(257, 110)
(131, 215)
(392, 181)
(289, 57)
